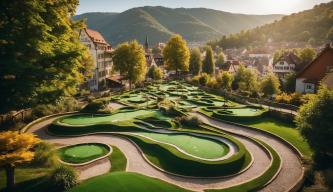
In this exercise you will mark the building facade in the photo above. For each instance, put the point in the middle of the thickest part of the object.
(319, 70)
(102, 58)
(287, 63)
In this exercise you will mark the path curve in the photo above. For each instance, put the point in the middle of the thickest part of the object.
(292, 169)
(137, 163)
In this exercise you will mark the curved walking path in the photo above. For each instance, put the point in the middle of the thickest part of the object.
(291, 169)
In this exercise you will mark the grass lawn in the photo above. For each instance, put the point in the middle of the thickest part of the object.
(95, 119)
(118, 160)
(257, 183)
(29, 179)
(284, 130)
(196, 146)
(244, 111)
(125, 182)
(82, 153)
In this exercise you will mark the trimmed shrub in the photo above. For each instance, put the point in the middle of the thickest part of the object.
(204, 79)
(64, 177)
(93, 107)
(189, 121)
(45, 155)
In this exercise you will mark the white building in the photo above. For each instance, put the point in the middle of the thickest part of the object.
(287, 63)
(101, 54)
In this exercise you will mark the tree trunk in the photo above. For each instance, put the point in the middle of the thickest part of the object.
(10, 177)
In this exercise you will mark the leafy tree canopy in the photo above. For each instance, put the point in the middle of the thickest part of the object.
(176, 54)
(195, 62)
(208, 63)
(129, 59)
(270, 85)
(41, 56)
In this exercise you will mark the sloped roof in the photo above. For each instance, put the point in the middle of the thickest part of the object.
(95, 36)
(289, 57)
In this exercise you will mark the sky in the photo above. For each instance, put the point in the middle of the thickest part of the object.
(258, 7)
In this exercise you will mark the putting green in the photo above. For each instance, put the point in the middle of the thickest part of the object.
(83, 153)
(194, 145)
(247, 111)
(95, 119)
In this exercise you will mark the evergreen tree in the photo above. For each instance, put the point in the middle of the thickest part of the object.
(41, 56)
(208, 63)
(195, 62)
(220, 60)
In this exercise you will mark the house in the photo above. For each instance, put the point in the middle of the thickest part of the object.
(287, 63)
(261, 64)
(231, 66)
(320, 69)
(259, 53)
(102, 58)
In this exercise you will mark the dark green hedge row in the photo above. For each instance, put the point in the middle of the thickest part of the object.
(171, 160)
(235, 118)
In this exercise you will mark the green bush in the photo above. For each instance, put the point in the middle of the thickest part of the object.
(94, 107)
(45, 155)
(204, 79)
(64, 177)
(189, 121)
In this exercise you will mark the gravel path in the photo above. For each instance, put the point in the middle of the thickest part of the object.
(94, 169)
(291, 170)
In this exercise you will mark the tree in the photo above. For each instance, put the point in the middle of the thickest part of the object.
(290, 82)
(307, 55)
(245, 79)
(155, 73)
(129, 59)
(208, 63)
(329, 34)
(42, 58)
(315, 121)
(15, 148)
(204, 79)
(220, 60)
(176, 54)
(270, 85)
(195, 62)
(225, 80)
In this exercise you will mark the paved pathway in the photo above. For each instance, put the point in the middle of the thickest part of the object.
(291, 170)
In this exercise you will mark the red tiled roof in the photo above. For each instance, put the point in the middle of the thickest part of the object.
(95, 36)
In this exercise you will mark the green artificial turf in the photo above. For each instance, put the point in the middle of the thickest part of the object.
(125, 182)
(287, 131)
(197, 146)
(82, 153)
(247, 111)
(257, 183)
(284, 130)
(118, 160)
(95, 119)
(171, 160)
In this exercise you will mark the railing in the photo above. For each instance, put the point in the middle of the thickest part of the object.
(15, 116)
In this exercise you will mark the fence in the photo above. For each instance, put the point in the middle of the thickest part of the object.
(15, 117)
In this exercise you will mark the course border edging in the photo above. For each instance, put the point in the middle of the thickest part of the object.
(300, 156)
(89, 162)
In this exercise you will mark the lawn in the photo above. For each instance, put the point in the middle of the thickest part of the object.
(125, 182)
(284, 130)
(29, 179)
(118, 160)
(82, 153)
(197, 146)
(95, 119)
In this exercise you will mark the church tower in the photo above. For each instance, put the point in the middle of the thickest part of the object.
(146, 43)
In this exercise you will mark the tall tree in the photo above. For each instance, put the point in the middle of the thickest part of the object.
(289, 84)
(225, 80)
(315, 121)
(220, 60)
(129, 59)
(15, 148)
(270, 85)
(176, 54)
(208, 63)
(41, 55)
(195, 62)
(245, 79)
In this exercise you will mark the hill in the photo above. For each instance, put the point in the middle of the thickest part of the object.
(314, 26)
(159, 23)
